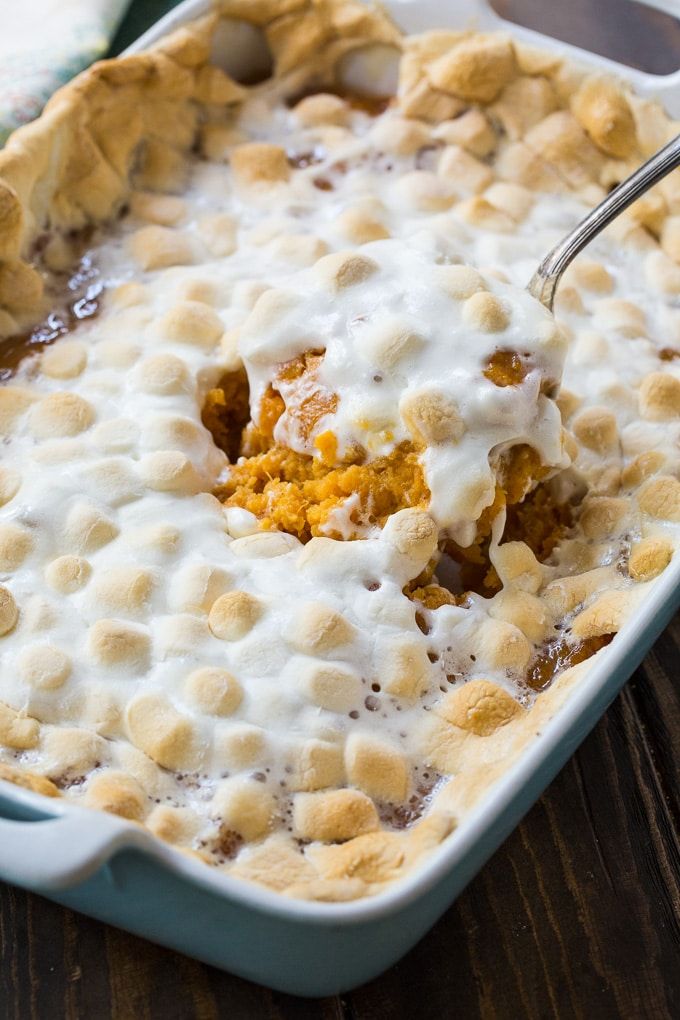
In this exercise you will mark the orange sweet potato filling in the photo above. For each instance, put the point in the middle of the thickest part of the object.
(433, 595)
(309, 400)
(226, 412)
(506, 368)
(520, 469)
(539, 521)
(297, 493)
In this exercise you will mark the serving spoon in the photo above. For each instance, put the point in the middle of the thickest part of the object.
(545, 281)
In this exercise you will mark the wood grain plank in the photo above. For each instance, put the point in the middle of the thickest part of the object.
(85, 967)
(656, 696)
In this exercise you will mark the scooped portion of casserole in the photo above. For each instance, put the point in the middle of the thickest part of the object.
(408, 371)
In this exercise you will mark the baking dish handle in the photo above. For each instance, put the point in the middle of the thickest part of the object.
(54, 852)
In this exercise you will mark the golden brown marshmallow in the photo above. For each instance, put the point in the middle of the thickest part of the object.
(319, 630)
(336, 815)
(479, 706)
(159, 730)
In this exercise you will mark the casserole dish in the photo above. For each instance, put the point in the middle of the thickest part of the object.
(114, 870)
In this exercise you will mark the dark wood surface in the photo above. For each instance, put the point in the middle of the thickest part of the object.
(577, 915)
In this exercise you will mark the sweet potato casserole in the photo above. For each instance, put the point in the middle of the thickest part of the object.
(311, 517)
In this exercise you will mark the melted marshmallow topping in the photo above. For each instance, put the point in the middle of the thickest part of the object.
(162, 657)
(160, 635)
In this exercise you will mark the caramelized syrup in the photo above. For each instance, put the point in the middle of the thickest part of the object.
(559, 655)
(81, 300)
(507, 368)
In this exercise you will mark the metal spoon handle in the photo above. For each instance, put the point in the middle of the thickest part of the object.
(543, 283)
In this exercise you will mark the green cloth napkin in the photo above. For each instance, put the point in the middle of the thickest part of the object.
(44, 43)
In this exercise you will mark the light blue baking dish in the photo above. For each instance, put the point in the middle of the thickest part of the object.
(115, 871)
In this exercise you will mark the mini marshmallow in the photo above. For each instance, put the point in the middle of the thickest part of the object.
(232, 615)
(9, 613)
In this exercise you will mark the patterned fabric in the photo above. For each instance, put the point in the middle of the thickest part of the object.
(43, 43)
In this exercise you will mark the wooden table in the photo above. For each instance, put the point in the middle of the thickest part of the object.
(577, 915)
